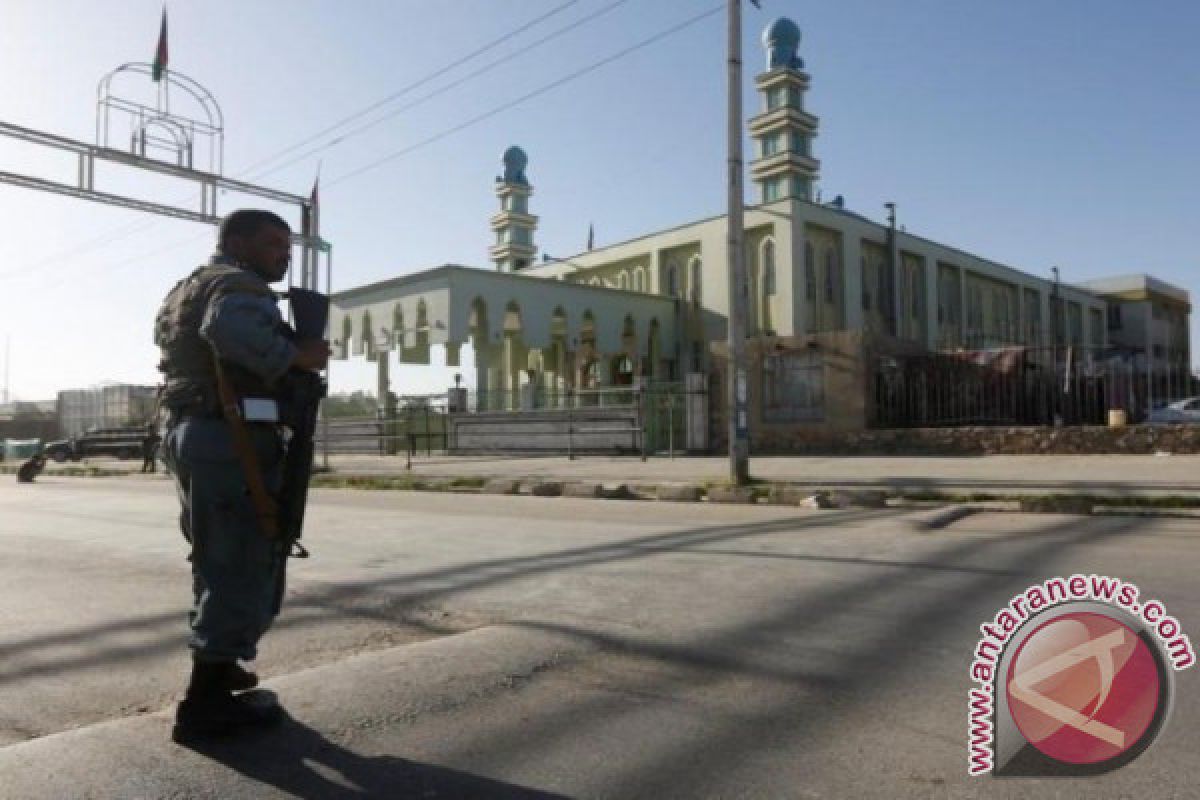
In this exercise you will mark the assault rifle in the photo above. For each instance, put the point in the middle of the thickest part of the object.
(300, 403)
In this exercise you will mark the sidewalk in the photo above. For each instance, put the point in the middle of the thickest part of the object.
(1100, 475)
(328, 747)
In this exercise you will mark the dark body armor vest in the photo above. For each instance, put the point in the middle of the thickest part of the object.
(187, 358)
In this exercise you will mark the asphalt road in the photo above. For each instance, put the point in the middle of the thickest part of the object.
(455, 646)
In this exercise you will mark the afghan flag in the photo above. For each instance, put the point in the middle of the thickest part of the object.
(160, 55)
(310, 213)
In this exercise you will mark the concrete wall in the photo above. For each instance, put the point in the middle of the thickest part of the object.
(553, 431)
(843, 359)
(1131, 440)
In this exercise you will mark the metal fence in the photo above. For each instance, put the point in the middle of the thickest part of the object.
(1018, 386)
(662, 408)
(533, 398)
(649, 419)
(416, 424)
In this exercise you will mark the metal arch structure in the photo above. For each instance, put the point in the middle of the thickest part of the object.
(183, 132)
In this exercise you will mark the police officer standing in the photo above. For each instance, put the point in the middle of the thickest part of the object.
(150, 443)
(222, 323)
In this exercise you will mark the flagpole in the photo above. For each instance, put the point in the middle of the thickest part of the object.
(7, 357)
(160, 70)
(328, 364)
(314, 281)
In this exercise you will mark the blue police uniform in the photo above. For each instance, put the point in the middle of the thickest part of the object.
(236, 569)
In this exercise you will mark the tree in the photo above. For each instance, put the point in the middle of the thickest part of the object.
(349, 404)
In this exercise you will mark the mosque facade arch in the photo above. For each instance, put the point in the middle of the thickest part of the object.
(824, 281)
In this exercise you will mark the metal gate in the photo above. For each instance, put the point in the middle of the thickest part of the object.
(675, 415)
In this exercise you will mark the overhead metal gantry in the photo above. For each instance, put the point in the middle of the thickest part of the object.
(157, 128)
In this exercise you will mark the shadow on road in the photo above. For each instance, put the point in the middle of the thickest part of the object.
(389, 599)
(302, 762)
(814, 694)
(900, 620)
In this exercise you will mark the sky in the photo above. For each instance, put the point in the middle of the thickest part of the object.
(1031, 133)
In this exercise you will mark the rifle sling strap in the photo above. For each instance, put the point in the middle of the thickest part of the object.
(265, 507)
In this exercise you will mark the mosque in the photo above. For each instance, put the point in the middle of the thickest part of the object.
(830, 293)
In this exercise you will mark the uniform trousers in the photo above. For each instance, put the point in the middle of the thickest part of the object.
(236, 570)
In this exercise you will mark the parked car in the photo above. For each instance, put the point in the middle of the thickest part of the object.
(19, 449)
(1185, 410)
(123, 443)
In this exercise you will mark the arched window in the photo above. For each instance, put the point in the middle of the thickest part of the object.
(866, 285)
(885, 298)
(622, 371)
(367, 338)
(810, 273)
(347, 335)
(398, 326)
(672, 280)
(696, 270)
(622, 280)
(590, 375)
(766, 285)
(832, 279)
(768, 268)
(639, 279)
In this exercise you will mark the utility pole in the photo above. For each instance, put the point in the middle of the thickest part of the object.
(1056, 309)
(893, 312)
(738, 423)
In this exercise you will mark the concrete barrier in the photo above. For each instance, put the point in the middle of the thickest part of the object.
(858, 498)
(731, 494)
(502, 486)
(794, 496)
(679, 493)
(581, 490)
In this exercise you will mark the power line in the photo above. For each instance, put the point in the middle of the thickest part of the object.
(127, 230)
(530, 95)
(480, 117)
(414, 85)
(452, 85)
(125, 263)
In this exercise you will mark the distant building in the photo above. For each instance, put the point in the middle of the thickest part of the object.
(832, 296)
(108, 406)
(29, 420)
(1152, 320)
(21, 408)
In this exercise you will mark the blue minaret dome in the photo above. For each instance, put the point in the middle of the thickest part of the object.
(782, 39)
(784, 165)
(515, 162)
(514, 225)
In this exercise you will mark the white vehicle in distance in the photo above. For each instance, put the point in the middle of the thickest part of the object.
(1185, 410)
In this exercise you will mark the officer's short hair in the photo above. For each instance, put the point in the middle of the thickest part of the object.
(247, 222)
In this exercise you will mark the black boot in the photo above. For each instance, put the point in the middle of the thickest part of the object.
(210, 710)
(237, 679)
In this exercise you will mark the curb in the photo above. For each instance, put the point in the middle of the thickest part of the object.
(941, 518)
(134, 757)
(1179, 504)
